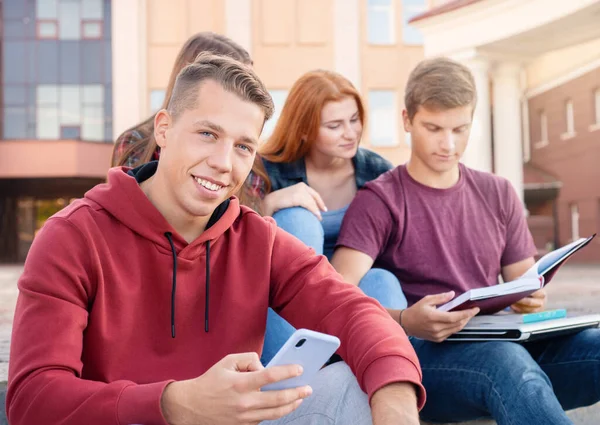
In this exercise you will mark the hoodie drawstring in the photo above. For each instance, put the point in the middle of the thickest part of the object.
(174, 287)
(174, 284)
(207, 286)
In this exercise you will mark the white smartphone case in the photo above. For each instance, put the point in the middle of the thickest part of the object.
(311, 354)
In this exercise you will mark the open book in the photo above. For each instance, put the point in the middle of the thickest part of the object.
(492, 299)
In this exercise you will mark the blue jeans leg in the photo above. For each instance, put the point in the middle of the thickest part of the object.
(572, 363)
(384, 287)
(466, 381)
(302, 224)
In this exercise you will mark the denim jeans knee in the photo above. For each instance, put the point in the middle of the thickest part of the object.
(303, 224)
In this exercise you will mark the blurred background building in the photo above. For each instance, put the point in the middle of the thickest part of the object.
(76, 73)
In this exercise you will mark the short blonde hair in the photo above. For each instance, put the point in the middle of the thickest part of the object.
(233, 76)
(439, 83)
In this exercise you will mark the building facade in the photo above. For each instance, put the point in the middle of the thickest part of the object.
(536, 65)
(56, 120)
(76, 73)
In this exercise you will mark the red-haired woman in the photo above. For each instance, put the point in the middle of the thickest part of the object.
(315, 167)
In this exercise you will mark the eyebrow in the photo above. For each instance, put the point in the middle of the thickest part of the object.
(340, 120)
(439, 126)
(218, 129)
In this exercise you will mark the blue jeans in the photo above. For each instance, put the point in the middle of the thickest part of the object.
(515, 384)
(377, 283)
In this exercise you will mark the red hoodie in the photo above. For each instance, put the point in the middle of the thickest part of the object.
(92, 341)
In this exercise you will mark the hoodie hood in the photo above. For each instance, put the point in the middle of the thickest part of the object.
(123, 198)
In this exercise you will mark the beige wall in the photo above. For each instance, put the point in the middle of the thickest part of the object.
(287, 39)
(291, 37)
(386, 67)
(555, 64)
(169, 24)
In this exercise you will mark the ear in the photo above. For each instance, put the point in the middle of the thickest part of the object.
(406, 121)
(162, 123)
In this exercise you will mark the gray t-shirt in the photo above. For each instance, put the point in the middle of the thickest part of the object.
(436, 240)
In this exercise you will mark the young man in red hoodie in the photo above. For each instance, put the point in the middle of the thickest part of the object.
(145, 302)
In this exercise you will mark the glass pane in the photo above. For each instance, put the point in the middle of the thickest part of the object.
(15, 95)
(107, 20)
(47, 29)
(380, 2)
(47, 95)
(14, 9)
(410, 9)
(379, 26)
(69, 20)
(15, 123)
(70, 105)
(107, 61)
(93, 94)
(47, 123)
(279, 97)
(46, 9)
(383, 118)
(108, 103)
(92, 30)
(92, 127)
(47, 60)
(92, 62)
(156, 100)
(92, 9)
(15, 62)
(15, 30)
(70, 62)
(70, 132)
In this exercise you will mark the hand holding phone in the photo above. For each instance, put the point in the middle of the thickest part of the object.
(305, 348)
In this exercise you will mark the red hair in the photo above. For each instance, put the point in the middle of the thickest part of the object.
(300, 119)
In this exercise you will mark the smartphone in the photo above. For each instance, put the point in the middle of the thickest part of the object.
(306, 348)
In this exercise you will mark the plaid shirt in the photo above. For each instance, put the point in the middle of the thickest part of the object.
(367, 166)
(125, 140)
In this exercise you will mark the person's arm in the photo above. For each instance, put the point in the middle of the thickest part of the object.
(298, 195)
(373, 345)
(352, 264)
(45, 367)
(395, 404)
(45, 385)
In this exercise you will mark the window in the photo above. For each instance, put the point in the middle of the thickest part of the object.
(70, 112)
(279, 97)
(57, 83)
(383, 118)
(574, 222)
(47, 29)
(69, 19)
(543, 141)
(157, 98)
(570, 117)
(380, 22)
(92, 120)
(92, 30)
(410, 9)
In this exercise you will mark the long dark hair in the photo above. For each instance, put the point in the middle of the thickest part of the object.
(142, 149)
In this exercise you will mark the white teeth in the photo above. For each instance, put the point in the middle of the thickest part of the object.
(210, 186)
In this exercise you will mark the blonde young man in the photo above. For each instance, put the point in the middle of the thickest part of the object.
(443, 228)
(146, 301)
